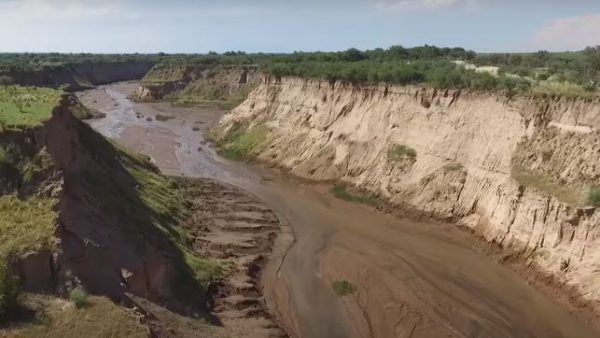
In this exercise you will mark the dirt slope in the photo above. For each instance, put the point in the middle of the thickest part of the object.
(500, 166)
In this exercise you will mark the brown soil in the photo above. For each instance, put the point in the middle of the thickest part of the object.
(234, 225)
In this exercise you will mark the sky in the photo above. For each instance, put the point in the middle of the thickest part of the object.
(199, 26)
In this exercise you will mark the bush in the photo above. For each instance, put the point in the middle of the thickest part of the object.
(10, 289)
(79, 297)
(399, 152)
(347, 193)
(594, 196)
(343, 288)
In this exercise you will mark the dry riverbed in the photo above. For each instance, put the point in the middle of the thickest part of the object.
(348, 270)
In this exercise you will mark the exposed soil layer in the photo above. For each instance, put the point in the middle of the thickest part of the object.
(411, 279)
(233, 225)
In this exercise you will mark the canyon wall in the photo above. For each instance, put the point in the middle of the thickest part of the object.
(520, 171)
(118, 219)
(80, 76)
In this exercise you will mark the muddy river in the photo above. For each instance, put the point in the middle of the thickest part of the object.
(408, 279)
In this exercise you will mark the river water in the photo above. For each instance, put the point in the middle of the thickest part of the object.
(409, 278)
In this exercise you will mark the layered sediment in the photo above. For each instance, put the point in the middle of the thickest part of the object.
(520, 171)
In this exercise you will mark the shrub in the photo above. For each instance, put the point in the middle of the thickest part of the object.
(79, 297)
(343, 287)
(346, 193)
(398, 152)
(594, 196)
(9, 292)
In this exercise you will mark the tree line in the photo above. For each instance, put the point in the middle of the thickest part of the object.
(430, 65)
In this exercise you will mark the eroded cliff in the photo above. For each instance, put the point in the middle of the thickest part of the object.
(78, 76)
(520, 171)
(197, 83)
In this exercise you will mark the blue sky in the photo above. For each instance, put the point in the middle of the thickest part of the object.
(288, 25)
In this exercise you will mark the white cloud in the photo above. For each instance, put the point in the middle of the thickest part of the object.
(61, 9)
(568, 33)
(416, 5)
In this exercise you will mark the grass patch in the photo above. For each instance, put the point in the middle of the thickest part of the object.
(18, 170)
(26, 225)
(343, 288)
(206, 271)
(100, 318)
(162, 73)
(562, 88)
(213, 95)
(27, 106)
(240, 143)
(399, 152)
(593, 197)
(79, 297)
(540, 182)
(346, 193)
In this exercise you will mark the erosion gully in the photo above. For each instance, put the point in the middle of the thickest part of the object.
(410, 278)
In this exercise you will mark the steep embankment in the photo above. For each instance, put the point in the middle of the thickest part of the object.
(198, 83)
(80, 76)
(520, 171)
(81, 212)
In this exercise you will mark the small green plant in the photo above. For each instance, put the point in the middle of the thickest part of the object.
(398, 152)
(594, 196)
(344, 192)
(343, 287)
(79, 297)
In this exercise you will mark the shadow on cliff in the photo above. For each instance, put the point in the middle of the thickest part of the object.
(119, 222)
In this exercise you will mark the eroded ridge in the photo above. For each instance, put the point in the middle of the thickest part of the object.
(231, 224)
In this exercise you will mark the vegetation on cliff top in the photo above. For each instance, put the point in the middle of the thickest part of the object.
(572, 73)
(26, 106)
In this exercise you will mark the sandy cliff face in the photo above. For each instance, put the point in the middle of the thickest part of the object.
(515, 170)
